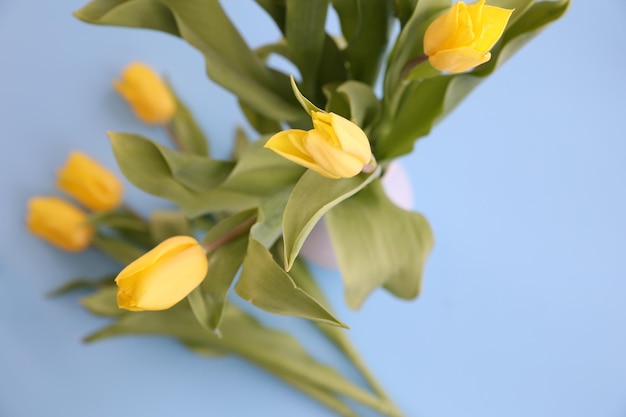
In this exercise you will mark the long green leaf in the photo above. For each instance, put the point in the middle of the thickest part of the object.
(117, 248)
(365, 25)
(275, 351)
(305, 35)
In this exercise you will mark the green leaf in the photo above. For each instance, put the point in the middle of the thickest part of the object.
(117, 248)
(365, 25)
(198, 173)
(364, 104)
(378, 243)
(224, 263)
(80, 284)
(186, 131)
(262, 124)
(311, 198)
(241, 143)
(118, 219)
(266, 285)
(261, 172)
(229, 60)
(304, 102)
(269, 227)
(147, 166)
(334, 69)
(402, 10)
(272, 350)
(277, 9)
(166, 223)
(103, 302)
(157, 16)
(125, 224)
(305, 35)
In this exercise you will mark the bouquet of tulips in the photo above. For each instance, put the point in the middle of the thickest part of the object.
(326, 137)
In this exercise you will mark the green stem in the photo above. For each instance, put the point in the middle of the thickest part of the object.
(353, 392)
(233, 233)
(171, 132)
(412, 63)
(342, 342)
(336, 336)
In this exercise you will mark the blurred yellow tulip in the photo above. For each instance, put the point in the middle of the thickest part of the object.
(90, 183)
(59, 223)
(163, 276)
(147, 94)
(334, 148)
(461, 38)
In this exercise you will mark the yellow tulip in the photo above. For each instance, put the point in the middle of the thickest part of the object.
(59, 223)
(90, 183)
(162, 277)
(148, 95)
(334, 148)
(461, 38)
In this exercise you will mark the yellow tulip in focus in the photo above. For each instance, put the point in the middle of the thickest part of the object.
(90, 183)
(59, 223)
(461, 38)
(334, 148)
(162, 277)
(148, 95)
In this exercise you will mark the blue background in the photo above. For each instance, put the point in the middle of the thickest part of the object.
(523, 311)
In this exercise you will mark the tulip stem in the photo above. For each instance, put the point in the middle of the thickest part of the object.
(232, 234)
(171, 132)
(412, 63)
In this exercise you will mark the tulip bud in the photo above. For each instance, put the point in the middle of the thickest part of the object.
(163, 276)
(146, 93)
(59, 223)
(461, 38)
(334, 148)
(90, 183)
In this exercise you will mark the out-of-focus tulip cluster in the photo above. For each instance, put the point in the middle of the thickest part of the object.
(62, 223)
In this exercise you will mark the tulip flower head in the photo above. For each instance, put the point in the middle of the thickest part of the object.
(59, 223)
(334, 148)
(146, 93)
(163, 276)
(461, 38)
(90, 183)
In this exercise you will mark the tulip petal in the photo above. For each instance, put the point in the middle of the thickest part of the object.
(458, 60)
(163, 276)
(322, 123)
(154, 255)
(494, 21)
(437, 35)
(148, 95)
(172, 279)
(59, 223)
(336, 162)
(90, 183)
(290, 145)
(351, 138)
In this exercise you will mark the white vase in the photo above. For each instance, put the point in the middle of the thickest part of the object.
(318, 249)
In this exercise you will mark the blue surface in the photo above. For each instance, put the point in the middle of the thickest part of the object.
(523, 311)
